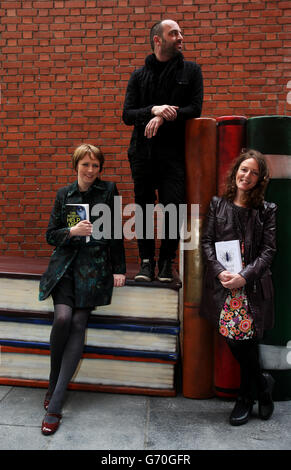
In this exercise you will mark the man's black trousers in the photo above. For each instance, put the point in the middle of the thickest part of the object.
(162, 179)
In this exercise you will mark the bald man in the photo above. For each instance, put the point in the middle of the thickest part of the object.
(160, 97)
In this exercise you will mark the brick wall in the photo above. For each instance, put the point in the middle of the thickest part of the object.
(64, 69)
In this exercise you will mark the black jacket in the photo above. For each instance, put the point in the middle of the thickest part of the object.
(179, 84)
(260, 247)
(94, 262)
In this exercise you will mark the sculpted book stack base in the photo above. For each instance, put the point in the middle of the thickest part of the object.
(132, 345)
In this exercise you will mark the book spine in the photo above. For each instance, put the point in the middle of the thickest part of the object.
(231, 139)
(171, 392)
(21, 347)
(94, 318)
(170, 330)
(200, 187)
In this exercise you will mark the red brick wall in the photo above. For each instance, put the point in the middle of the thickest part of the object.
(64, 69)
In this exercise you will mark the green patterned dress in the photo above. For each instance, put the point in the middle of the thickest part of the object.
(235, 320)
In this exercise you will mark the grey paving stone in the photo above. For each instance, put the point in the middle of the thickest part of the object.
(22, 406)
(96, 421)
(4, 390)
(100, 421)
(22, 438)
(206, 427)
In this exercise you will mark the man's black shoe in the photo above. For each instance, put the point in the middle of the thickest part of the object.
(266, 405)
(241, 412)
(147, 271)
(165, 271)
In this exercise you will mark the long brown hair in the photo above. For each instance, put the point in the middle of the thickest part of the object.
(255, 196)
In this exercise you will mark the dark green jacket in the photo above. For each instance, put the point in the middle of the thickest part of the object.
(95, 262)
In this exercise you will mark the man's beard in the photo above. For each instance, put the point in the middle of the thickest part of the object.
(169, 50)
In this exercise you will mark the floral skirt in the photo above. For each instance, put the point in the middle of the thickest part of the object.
(235, 320)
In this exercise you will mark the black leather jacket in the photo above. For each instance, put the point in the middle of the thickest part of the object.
(260, 247)
(179, 84)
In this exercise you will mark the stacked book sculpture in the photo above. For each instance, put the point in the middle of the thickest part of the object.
(132, 345)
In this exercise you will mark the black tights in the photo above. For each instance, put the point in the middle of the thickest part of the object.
(67, 342)
(246, 353)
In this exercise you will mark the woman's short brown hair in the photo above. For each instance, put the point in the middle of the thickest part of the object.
(255, 196)
(82, 150)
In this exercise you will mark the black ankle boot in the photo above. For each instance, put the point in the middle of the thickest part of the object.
(241, 412)
(266, 405)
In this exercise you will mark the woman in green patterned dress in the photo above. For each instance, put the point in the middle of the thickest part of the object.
(82, 272)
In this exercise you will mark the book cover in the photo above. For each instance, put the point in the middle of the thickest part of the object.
(75, 213)
(228, 253)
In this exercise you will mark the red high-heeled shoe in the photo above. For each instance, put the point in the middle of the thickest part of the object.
(50, 428)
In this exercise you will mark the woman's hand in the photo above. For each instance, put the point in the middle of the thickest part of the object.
(225, 276)
(234, 282)
(118, 280)
(82, 229)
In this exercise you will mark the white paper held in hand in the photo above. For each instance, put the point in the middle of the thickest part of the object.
(228, 253)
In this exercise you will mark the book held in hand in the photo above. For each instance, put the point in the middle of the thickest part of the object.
(75, 213)
(228, 253)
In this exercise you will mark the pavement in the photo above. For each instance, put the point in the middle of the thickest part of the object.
(119, 422)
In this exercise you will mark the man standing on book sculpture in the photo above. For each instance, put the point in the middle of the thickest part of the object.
(81, 273)
(160, 97)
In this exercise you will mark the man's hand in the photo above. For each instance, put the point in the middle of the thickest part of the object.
(118, 280)
(152, 126)
(166, 111)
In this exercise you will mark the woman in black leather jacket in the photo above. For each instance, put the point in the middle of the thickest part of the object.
(240, 304)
